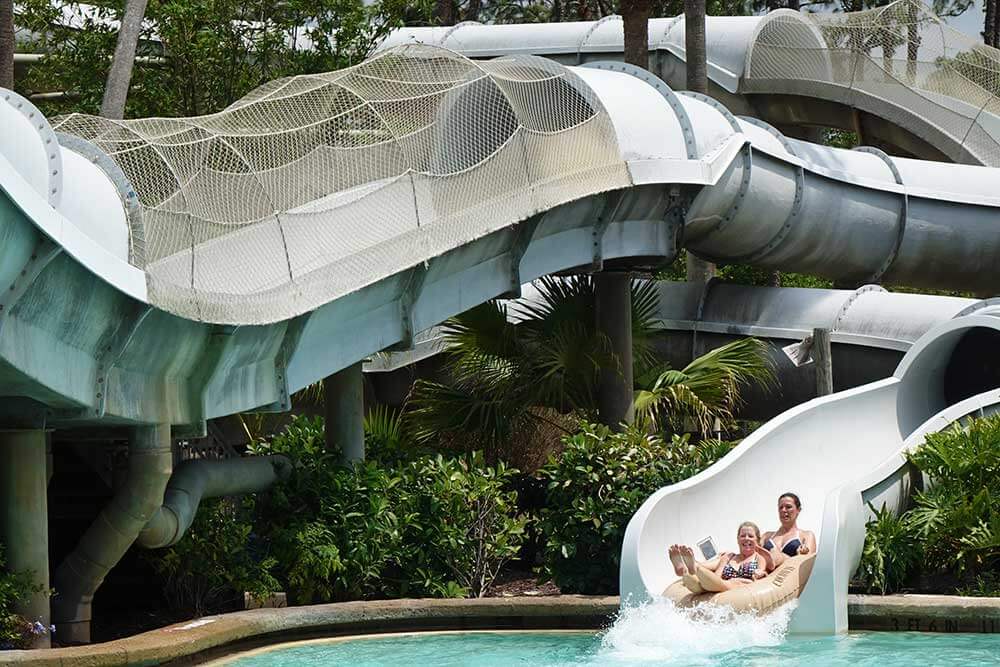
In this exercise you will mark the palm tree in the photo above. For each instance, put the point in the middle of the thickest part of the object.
(707, 390)
(504, 380)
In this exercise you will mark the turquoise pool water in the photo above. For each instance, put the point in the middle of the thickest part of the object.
(489, 649)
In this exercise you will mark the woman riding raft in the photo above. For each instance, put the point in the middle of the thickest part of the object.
(737, 578)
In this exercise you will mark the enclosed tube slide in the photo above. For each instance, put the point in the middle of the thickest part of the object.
(837, 452)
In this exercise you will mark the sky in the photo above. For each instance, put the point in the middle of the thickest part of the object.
(971, 22)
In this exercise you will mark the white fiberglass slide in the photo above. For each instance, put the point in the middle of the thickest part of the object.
(838, 453)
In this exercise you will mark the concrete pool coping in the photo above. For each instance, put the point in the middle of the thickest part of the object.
(212, 637)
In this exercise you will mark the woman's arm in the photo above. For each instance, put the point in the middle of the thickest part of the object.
(767, 557)
(808, 545)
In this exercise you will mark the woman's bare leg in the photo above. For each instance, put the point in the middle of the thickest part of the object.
(710, 581)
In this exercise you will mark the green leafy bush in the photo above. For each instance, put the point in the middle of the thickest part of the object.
(431, 526)
(595, 487)
(891, 553)
(952, 533)
(15, 631)
(212, 565)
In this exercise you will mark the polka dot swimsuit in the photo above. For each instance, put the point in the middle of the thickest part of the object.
(744, 571)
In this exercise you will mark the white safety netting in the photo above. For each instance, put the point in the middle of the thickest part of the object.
(901, 55)
(315, 186)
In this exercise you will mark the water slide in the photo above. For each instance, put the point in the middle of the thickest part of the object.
(167, 271)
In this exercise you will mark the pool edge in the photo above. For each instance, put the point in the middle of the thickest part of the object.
(213, 637)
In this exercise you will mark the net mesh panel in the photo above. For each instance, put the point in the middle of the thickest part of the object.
(902, 54)
(314, 186)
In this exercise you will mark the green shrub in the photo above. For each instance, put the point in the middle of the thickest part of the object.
(15, 631)
(891, 553)
(432, 526)
(595, 487)
(958, 517)
(953, 530)
(212, 565)
(462, 525)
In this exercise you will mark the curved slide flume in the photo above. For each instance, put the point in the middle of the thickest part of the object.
(838, 453)
(928, 98)
(749, 194)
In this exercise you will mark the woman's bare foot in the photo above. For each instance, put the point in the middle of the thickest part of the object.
(675, 558)
(687, 555)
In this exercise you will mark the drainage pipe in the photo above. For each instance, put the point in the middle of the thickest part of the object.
(112, 533)
(197, 479)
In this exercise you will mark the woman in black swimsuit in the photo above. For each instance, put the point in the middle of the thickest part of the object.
(789, 540)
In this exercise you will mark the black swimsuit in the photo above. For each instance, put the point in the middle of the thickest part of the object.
(791, 547)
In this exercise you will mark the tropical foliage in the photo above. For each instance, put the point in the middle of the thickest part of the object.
(498, 372)
(15, 631)
(216, 562)
(707, 390)
(427, 526)
(953, 530)
(594, 488)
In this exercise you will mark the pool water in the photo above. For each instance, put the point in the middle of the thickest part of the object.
(656, 633)
(547, 649)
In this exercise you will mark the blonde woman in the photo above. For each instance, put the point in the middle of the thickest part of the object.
(728, 570)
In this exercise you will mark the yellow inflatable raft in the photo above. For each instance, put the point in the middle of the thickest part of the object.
(761, 596)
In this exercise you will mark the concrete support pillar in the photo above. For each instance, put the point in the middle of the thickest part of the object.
(24, 517)
(344, 411)
(613, 301)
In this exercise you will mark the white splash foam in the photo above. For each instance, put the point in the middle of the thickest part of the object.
(658, 631)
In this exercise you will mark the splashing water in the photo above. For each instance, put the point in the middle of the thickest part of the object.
(660, 632)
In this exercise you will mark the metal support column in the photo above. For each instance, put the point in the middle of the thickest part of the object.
(24, 520)
(613, 300)
(344, 411)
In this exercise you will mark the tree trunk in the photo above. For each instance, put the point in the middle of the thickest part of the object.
(120, 74)
(444, 11)
(991, 33)
(695, 59)
(472, 12)
(635, 17)
(7, 44)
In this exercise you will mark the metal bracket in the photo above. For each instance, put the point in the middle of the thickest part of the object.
(523, 233)
(293, 331)
(675, 217)
(112, 353)
(690, 144)
(612, 201)
(408, 296)
(446, 35)
(43, 254)
(590, 31)
(130, 200)
(717, 105)
(773, 131)
(978, 305)
(904, 213)
(45, 132)
(842, 313)
(779, 236)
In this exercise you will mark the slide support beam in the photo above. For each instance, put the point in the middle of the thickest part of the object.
(344, 411)
(613, 301)
(24, 521)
